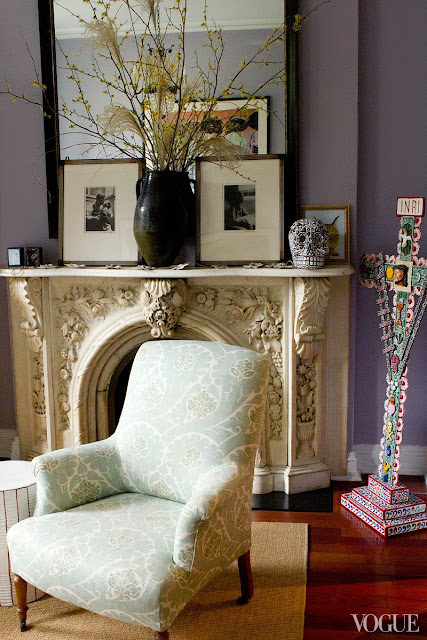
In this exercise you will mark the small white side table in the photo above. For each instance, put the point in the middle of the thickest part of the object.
(17, 502)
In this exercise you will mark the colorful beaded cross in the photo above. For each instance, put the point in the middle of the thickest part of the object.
(407, 275)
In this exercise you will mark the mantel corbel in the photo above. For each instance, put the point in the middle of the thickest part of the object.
(27, 293)
(163, 303)
(311, 301)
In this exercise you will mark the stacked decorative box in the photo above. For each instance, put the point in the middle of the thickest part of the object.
(388, 508)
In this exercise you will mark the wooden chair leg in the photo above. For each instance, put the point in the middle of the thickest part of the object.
(21, 599)
(161, 635)
(246, 580)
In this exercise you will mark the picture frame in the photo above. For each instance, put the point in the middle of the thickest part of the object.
(337, 219)
(240, 213)
(33, 256)
(15, 256)
(251, 117)
(97, 206)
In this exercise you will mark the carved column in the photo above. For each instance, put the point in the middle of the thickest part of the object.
(27, 295)
(311, 301)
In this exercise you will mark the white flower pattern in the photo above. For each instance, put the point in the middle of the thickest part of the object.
(202, 404)
(243, 369)
(139, 447)
(64, 559)
(184, 363)
(192, 458)
(150, 395)
(124, 584)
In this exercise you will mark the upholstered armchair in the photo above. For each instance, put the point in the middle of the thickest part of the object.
(133, 526)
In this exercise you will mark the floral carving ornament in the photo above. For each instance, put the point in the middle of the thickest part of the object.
(77, 309)
(264, 326)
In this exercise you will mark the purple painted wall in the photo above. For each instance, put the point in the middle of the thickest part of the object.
(328, 120)
(23, 218)
(392, 162)
(359, 146)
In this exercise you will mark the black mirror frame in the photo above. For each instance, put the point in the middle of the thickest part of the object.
(51, 122)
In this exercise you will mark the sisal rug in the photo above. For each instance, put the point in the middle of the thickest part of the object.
(279, 566)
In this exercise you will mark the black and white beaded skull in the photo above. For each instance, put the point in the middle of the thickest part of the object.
(308, 240)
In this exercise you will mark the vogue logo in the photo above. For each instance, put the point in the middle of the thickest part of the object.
(387, 622)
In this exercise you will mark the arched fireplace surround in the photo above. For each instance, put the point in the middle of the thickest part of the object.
(73, 327)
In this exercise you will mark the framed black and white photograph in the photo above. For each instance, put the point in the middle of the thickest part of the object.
(336, 217)
(239, 207)
(240, 213)
(100, 209)
(98, 206)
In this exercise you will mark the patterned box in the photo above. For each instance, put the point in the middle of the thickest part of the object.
(385, 528)
(369, 501)
(390, 493)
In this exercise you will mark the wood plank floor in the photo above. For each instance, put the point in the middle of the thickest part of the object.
(353, 570)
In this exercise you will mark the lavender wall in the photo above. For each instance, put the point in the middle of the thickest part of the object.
(328, 120)
(363, 147)
(23, 218)
(392, 162)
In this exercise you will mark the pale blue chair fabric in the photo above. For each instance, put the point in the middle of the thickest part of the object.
(133, 526)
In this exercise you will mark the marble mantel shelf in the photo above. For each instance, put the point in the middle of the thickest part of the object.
(74, 327)
(188, 272)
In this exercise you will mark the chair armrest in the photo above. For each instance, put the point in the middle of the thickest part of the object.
(213, 492)
(74, 476)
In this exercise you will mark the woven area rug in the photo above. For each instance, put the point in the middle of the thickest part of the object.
(279, 566)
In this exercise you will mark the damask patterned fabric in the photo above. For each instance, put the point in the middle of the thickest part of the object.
(133, 526)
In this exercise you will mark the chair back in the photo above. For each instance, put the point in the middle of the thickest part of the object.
(189, 406)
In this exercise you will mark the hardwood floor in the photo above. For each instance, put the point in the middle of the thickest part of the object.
(353, 570)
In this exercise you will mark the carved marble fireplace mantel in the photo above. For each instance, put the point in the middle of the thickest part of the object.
(71, 327)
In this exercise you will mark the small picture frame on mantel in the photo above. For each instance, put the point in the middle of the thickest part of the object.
(16, 256)
(98, 199)
(240, 213)
(336, 217)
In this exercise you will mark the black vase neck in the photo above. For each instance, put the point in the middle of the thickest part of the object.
(163, 172)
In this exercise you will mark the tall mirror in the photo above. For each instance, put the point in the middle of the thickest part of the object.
(245, 24)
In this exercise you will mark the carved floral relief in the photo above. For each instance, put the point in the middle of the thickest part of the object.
(77, 309)
(311, 301)
(263, 322)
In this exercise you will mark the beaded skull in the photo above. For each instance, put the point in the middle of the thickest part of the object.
(308, 240)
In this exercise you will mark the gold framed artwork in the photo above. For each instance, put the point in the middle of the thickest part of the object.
(337, 220)
(240, 214)
(97, 207)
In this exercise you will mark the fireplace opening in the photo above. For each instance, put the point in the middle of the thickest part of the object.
(117, 390)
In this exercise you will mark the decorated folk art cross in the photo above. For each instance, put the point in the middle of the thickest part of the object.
(406, 273)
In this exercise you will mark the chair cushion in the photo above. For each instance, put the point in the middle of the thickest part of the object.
(110, 556)
(190, 406)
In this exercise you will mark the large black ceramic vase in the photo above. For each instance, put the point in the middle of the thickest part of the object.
(161, 215)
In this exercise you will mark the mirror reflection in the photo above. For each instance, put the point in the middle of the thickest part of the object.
(246, 27)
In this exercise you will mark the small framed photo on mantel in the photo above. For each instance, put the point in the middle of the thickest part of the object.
(240, 213)
(336, 217)
(97, 210)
